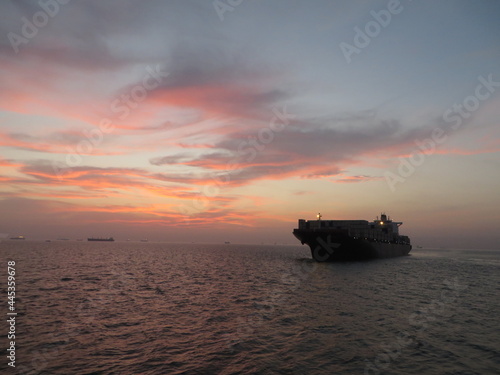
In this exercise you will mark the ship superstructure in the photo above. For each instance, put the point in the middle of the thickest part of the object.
(332, 240)
(108, 239)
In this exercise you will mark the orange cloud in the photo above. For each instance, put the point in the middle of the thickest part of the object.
(9, 163)
(352, 179)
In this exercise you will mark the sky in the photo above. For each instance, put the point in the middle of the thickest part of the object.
(229, 120)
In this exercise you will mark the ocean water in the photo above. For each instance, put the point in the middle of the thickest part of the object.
(153, 308)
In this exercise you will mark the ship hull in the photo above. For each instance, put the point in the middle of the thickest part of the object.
(331, 246)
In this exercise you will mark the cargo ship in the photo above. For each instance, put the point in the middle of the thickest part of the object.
(109, 239)
(349, 240)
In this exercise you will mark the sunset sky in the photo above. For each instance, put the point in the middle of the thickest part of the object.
(205, 121)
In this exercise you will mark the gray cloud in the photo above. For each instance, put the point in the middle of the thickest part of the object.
(309, 149)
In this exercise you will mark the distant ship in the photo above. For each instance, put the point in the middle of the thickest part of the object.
(109, 239)
(18, 238)
(346, 240)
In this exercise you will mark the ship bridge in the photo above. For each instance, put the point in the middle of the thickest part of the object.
(383, 229)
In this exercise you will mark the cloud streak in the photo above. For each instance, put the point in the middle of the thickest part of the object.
(305, 149)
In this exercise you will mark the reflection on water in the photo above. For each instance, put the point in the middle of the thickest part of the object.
(146, 308)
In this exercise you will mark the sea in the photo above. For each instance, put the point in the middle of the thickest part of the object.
(158, 308)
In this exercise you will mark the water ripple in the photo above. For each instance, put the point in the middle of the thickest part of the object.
(124, 308)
